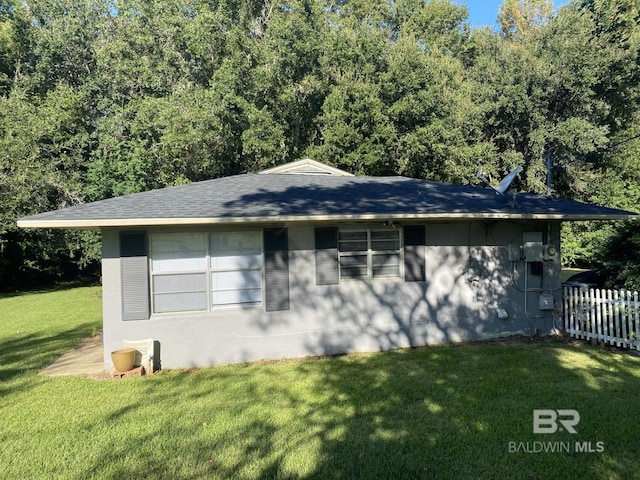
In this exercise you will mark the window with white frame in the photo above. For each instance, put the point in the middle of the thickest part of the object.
(198, 271)
(236, 268)
(369, 253)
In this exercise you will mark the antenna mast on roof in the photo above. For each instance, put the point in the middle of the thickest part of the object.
(549, 169)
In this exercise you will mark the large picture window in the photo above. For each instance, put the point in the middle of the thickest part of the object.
(369, 253)
(199, 271)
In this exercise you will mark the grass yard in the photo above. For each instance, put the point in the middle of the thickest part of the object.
(439, 412)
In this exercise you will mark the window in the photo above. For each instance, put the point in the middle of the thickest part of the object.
(369, 253)
(236, 268)
(178, 266)
(199, 271)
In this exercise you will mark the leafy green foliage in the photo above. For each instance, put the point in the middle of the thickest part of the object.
(107, 98)
(620, 257)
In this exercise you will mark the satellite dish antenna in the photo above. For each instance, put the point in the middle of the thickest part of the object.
(504, 184)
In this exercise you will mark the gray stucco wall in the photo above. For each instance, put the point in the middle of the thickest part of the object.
(469, 278)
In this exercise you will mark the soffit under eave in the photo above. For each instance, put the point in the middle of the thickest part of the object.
(97, 224)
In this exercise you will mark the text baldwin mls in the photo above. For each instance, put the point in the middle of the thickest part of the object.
(545, 421)
(556, 447)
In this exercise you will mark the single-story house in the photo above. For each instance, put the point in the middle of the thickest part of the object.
(305, 259)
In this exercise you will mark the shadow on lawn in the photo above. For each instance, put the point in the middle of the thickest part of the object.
(415, 414)
(20, 355)
(86, 281)
(435, 412)
(451, 413)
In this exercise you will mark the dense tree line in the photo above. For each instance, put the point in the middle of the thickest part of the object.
(103, 98)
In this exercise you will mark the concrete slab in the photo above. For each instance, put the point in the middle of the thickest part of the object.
(87, 359)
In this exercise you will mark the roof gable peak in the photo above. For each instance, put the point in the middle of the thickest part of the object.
(307, 166)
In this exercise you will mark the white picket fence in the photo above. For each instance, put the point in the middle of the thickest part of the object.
(606, 315)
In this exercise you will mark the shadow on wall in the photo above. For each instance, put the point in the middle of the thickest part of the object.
(388, 315)
(465, 288)
(468, 279)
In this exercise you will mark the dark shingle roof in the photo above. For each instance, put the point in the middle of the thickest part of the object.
(291, 197)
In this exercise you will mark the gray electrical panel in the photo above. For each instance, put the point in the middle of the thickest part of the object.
(532, 246)
(546, 301)
(514, 252)
(534, 237)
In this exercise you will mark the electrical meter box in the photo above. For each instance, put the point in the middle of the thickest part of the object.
(546, 301)
(532, 251)
(550, 252)
(532, 246)
(514, 252)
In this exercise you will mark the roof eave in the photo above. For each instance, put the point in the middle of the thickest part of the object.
(96, 224)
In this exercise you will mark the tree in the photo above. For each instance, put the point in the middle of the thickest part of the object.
(42, 143)
(620, 257)
(357, 134)
(286, 90)
(519, 18)
(106, 98)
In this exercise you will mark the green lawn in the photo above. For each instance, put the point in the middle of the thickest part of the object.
(437, 412)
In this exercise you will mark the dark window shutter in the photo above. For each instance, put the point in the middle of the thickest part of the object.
(276, 269)
(414, 253)
(134, 267)
(327, 271)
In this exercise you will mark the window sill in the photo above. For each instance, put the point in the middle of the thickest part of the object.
(201, 313)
